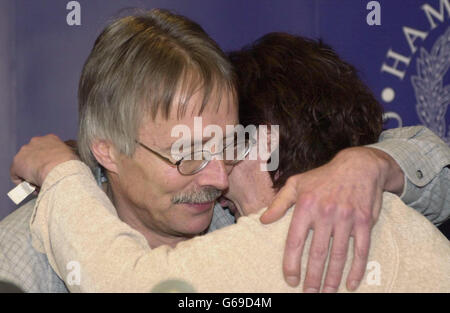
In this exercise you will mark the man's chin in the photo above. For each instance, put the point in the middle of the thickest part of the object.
(198, 219)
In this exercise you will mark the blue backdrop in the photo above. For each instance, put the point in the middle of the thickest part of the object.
(404, 60)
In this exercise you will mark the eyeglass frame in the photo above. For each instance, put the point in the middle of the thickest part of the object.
(205, 162)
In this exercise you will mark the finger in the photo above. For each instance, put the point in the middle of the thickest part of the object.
(285, 199)
(376, 208)
(295, 242)
(360, 255)
(317, 256)
(16, 181)
(338, 257)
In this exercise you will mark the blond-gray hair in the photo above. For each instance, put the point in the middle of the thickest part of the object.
(137, 65)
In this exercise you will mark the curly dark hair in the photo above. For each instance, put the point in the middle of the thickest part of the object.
(316, 98)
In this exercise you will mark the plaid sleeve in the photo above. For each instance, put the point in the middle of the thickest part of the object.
(20, 264)
(425, 160)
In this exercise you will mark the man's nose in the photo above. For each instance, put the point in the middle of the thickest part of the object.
(214, 174)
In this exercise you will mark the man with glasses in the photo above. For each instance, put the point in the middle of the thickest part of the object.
(146, 74)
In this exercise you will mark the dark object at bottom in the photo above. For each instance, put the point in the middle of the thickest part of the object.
(6, 287)
(445, 229)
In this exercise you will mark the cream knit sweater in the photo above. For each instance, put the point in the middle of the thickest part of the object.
(74, 221)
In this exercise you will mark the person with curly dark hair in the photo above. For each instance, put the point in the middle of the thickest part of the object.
(316, 98)
(325, 110)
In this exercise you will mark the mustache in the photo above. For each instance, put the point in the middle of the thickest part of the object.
(207, 194)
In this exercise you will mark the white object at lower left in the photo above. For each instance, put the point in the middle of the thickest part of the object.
(20, 192)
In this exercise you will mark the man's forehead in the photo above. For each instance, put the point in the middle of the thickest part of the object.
(204, 121)
(160, 130)
(226, 114)
(201, 103)
(190, 102)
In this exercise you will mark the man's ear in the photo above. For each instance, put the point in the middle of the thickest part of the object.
(106, 155)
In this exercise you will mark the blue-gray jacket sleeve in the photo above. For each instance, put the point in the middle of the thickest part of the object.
(425, 160)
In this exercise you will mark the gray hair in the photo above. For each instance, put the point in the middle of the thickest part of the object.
(136, 67)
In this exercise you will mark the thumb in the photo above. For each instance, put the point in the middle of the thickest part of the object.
(285, 198)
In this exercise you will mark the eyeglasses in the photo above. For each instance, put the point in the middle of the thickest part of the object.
(195, 161)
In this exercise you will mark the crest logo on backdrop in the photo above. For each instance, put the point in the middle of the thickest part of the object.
(432, 95)
(429, 81)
